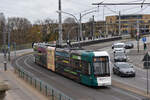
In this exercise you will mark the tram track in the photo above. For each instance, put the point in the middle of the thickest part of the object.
(71, 88)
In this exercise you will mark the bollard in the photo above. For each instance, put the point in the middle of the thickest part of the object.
(52, 94)
(40, 86)
(5, 65)
(31, 80)
(27, 77)
(35, 83)
(23, 75)
(46, 90)
(59, 96)
(19, 72)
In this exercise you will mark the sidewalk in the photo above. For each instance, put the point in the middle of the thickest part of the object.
(137, 57)
(20, 90)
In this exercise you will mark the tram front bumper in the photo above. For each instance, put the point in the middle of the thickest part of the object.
(104, 81)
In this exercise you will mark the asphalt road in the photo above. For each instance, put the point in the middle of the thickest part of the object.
(73, 89)
(140, 81)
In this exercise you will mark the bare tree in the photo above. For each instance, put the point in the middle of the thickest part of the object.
(69, 20)
(70, 28)
(19, 29)
(48, 29)
(2, 25)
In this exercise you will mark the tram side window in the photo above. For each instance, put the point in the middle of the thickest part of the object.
(59, 59)
(85, 68)
(59, 63)
(76, 64)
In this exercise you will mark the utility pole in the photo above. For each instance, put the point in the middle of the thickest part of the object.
(119, 24)
(92, 27)
(138, 35)
(14, 46)
(4, 46)
(60, 23)
(147, 82)
(106, 28)
(81, 36)
(9, 30)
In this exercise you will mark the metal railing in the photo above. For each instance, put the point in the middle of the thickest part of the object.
(50, 92)
(23, 46)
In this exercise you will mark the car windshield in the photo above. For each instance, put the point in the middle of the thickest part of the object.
(119, 46)
(101, 66)
(125, 65)
(129, 43)
(119, 54)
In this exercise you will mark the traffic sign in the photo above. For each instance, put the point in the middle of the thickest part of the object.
(146, 57)
(144, 39)
(146, 60)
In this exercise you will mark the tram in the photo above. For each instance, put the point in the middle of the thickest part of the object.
(91, 68)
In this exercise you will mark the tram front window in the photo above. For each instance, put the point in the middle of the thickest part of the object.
(101, 67)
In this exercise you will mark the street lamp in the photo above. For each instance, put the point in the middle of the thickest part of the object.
(78, 21)
(68, 36)
(10, 27)
(68, 14)
(81, 15)
(72, 16)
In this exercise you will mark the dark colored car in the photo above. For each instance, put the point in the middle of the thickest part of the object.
(124, 69)
(120, 56)
(129, 45)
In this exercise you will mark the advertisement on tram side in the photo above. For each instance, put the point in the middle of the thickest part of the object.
(51, 58)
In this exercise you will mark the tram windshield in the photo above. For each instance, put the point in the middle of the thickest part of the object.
(101, 66)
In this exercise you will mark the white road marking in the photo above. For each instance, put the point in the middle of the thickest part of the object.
(145, 78)
(126, 93)
(113, 88)
(134, 86)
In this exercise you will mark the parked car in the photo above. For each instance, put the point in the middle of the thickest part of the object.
(120, 56)
(124, 69)
(118, 47)
(129, 45)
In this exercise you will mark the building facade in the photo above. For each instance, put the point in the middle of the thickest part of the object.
(129, 24)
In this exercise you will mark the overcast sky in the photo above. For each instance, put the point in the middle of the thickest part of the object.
(41, 9)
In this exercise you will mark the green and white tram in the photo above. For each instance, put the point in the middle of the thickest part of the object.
(91, 68)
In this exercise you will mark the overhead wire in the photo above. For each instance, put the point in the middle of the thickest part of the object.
(141, 10)
(129, 8)
(111, 10)
(135, 1)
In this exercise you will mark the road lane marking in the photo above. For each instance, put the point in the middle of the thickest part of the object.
(144, 78)
(116, 90)
(125, 83)
(126, 93)
(130, 88)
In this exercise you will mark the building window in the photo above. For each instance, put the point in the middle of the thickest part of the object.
(141, 21)
(110, 20)
(124, 22)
